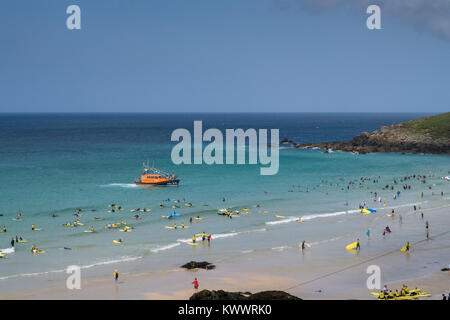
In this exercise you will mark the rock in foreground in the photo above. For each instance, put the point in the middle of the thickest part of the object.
(198, 265)
(224, 295)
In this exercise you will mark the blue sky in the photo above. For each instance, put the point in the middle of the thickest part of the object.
(221, 56)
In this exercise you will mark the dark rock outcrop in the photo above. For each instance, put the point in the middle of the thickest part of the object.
(224, 295)
(201, 265)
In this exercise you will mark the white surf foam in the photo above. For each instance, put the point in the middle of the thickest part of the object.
(121, 185)
(36, 274)
(7, 250)
(167, 247)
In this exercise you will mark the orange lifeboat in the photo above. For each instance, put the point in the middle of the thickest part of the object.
(153, 176)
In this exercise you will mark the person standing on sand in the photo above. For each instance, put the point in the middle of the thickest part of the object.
(358, 247)
(195, 283)
(116, 275)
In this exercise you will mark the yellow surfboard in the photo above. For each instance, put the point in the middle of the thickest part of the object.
(351, 246)
(404, 248)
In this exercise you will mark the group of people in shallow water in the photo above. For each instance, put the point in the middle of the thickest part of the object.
(204, 237)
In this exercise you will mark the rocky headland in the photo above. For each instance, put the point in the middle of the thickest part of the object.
(424, 135)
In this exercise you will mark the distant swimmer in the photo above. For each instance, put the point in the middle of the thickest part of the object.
(12, 242)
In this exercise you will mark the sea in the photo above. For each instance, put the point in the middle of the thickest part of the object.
(51, 165)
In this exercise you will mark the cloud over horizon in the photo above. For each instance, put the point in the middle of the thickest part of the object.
(429, 15)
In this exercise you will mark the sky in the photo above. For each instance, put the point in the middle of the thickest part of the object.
(224, 56)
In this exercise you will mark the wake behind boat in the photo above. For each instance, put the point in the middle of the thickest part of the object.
(153, 176)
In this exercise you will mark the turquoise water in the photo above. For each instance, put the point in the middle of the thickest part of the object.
(54, 164)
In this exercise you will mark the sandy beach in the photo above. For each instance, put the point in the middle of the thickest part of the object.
(325, 271)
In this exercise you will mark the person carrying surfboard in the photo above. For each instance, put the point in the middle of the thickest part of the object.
(407, 247)
(357, 245)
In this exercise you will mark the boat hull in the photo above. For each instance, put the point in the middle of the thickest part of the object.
(160, 183)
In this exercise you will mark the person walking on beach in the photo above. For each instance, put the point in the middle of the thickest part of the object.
(368, 234)
(195, 283)
(116, 275)
(303, 245)
(358, 247)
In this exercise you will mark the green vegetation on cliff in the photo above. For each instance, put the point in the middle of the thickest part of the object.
(437, 126)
